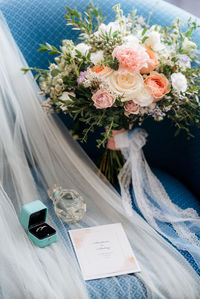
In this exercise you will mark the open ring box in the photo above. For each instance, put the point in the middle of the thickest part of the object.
(33, 217)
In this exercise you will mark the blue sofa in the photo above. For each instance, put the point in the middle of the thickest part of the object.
(176, 160)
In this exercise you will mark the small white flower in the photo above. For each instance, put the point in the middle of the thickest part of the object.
(96, 57)
(179, 82)
(141, 20)
(57, 59)
(64, 49)
(102, 29)
(52, 66)
(164, 54)
(65, 96)
(55, 80)
(43, 85)
(184, 61)
(187, 45)
(112, 26)
(83, 48)
(155, 28)
(152, 106)
(58, 88)
(46, 105)
(153, 41)
(131, 40)
(60, 81)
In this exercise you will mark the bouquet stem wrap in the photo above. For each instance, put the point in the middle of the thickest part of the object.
(151, 198)
(111, 140)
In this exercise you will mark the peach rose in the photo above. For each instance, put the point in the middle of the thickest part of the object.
(158, 84)
(102, 71)
(103, 99)
(131, 58)
(131, 108)
(152, 63)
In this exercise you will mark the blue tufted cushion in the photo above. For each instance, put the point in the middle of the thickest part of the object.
(34, 22)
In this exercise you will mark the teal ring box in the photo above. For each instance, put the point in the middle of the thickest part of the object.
(33, 217)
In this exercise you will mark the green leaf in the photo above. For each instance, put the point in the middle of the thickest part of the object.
(25, 69)
(144, 31)
(42, 50)
(144, 39)
(55, 72)
(36, 76)
(188, 33)
(177, 132)
(53, 52)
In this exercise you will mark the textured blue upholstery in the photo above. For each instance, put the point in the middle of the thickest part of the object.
(37, 21)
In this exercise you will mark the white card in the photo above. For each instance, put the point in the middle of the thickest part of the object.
(103, 251)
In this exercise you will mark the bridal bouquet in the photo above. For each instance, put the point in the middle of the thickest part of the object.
(122, 73)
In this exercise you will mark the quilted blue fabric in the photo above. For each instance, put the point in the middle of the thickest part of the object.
(34, 22)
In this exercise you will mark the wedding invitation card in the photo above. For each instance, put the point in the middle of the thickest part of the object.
(103, 251)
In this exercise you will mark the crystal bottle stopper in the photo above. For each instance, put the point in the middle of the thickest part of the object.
(68, 204)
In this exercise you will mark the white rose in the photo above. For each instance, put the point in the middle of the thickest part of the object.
(83, 48)
(97, 57)
(187, 45)
(127, 85)
(143, 97)
(153, 41)
(179, 82)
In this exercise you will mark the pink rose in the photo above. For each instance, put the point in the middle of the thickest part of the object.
(131, 58)
(103, 99)
(131, 108)
(158, 84)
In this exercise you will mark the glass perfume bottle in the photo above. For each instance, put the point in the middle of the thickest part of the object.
(68, 204)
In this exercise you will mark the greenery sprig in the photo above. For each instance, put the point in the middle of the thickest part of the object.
(89, 23)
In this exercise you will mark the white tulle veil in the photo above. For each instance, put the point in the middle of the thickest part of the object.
(36, 147)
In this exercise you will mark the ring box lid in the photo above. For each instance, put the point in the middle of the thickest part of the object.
(33, 213)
